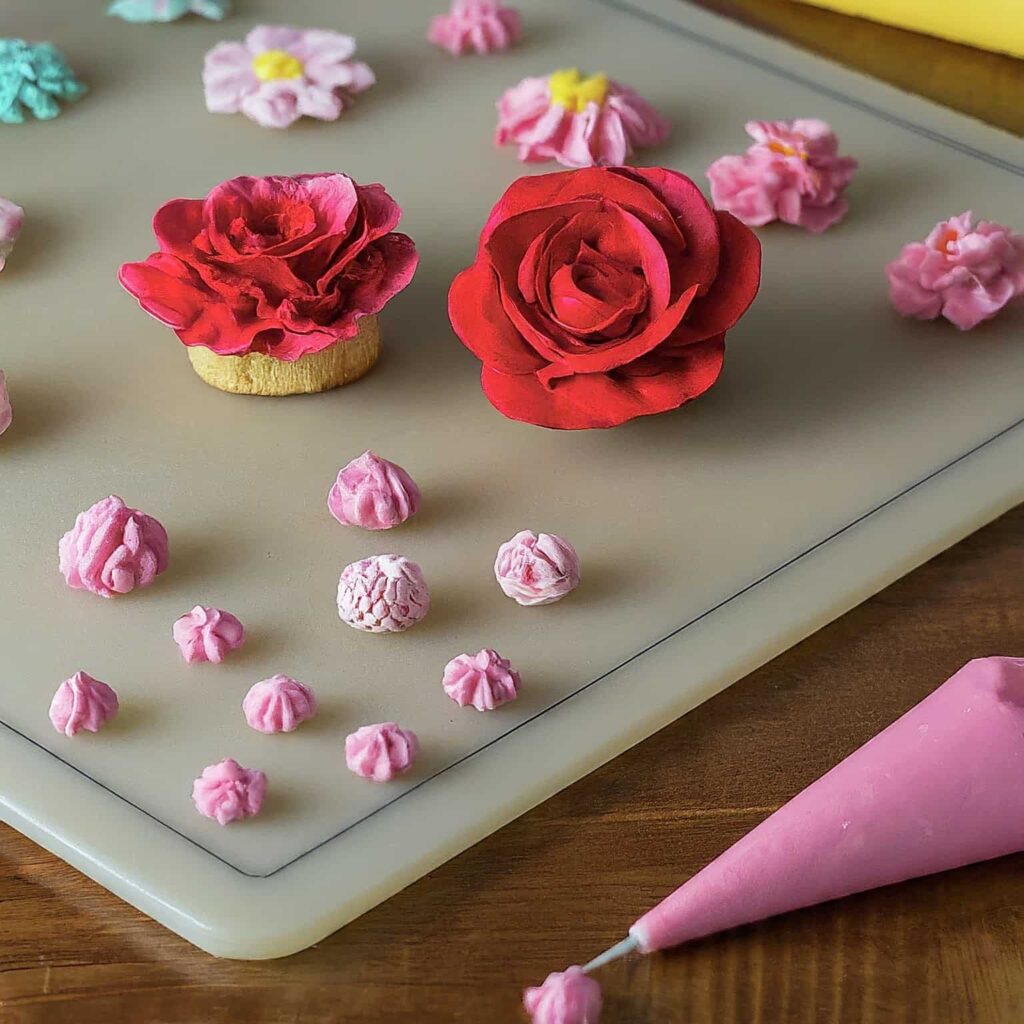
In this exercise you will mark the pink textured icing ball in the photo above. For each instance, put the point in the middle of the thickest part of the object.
(5, 404)
(228, 792)
(480, 25)
(12, 216)
(382, 594)
(486, 680)
(381, 751)
(278, 704)
(566, 997)
(964, 272)
(113, 549)
(207, 634)
(537, 568)
(82, 702)
(373, 493)
(792, 172)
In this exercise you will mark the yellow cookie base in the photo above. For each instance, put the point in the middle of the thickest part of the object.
(258, 374)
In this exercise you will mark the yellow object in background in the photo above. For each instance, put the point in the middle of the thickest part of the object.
(990, 24)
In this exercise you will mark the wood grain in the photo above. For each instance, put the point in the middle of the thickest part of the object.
(561, 883)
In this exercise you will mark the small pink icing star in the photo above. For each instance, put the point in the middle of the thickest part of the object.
(381, 751)
(228, 792)
(566, 997)
(82, 702)
(207, 634)
(373, 493)
(278, 704)
(486, 680)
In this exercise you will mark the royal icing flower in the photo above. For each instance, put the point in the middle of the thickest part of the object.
(537, 569)
(278, 704)
(603, 294)
(373, 493)
(578, 121)
(382, 594)
(480, 25)
(279, 74)
(485, 679)
(278, 265)
(962, 271)
(82, 702)
(6, 414)
(566, 997)
(112, 549)
(791, 173)
(33, 78)
(381, 751)
(228, 792)
(12, 216)
(168, 10)
(207, 634)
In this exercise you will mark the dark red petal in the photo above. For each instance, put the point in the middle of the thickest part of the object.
(177, 223)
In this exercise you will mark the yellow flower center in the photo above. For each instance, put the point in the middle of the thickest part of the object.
(571, 90)
(271, 64)
(780, 147)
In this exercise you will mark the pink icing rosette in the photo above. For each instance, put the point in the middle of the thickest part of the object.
(82, 702)
(480, 25)
(228, 792)
(207, 634)
(537, 569)
(566, 997)
(380, 752)
(278, 74)
(278, 704)
(373, 493)
(964, 272)
(382, 594)
(578, 121)
(792, 172)
(112, 549)
(486, 680)
(12, 216)
(6, 415)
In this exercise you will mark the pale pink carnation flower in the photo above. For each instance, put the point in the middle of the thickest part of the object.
(480, 25)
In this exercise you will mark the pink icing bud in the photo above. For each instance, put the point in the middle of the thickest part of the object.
(373, 493)
(278, 704)
(480, 25)
(112, 549)
(486, 680)
(537, 569)
(228, 792)
(568, 997)
(380, 752)
(962, 272)
(791, 173)
(207, 634)
(82, 702)
(382, 594)
(11, 218)
(5, 404)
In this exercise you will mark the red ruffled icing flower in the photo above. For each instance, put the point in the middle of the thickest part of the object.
(603, 294)
(278, 265)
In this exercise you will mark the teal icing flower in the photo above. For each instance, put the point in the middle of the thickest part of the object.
(167, 10)
(34, 76)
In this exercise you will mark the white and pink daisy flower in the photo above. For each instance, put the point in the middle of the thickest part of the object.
(279, 74)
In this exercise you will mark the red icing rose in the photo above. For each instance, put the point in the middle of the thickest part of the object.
(603, 294)
(283, 266)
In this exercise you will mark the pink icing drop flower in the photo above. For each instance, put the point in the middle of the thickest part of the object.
(6, 415)
(791, 173)
(963, 272)
(580, 122)
(280, 74)
(82, 702)
(480, 25)
(207, 634)
(112, 549)
(12, 216)
(278, 704)
(537, 569)
(486, 680)
(373, 493)
(380, 752)
(382, 594)
(566, 997)
(228, 792)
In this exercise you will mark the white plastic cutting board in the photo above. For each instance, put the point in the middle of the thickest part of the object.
(842, 447)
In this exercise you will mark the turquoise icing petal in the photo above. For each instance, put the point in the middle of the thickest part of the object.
(33, 77)
(167, 10)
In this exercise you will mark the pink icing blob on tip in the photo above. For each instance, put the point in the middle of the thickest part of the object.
(112, 549)
(964, 272)
(6, 415)
(278, 704)
(483, 26)
(228, 792)
(380, 752)
(486, 680)
(207, 634)
(373, 493)
(566, 997)
(82, 702)
(536, 569)
(382, 594)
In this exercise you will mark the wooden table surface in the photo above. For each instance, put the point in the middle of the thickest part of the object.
(562, 883)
